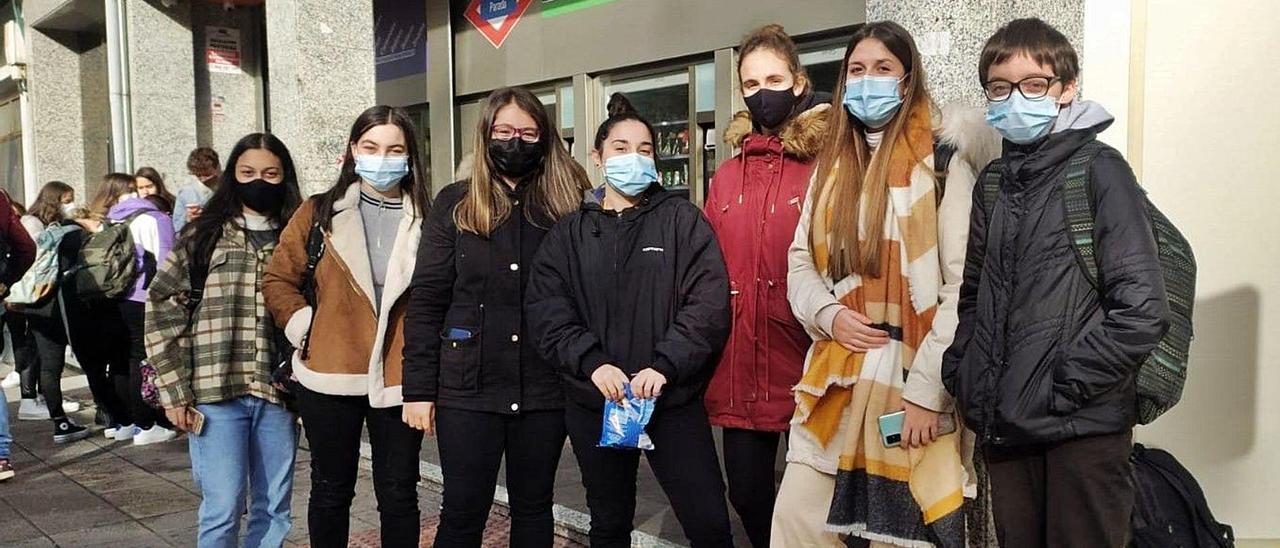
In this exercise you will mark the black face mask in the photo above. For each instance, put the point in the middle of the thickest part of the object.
(771, 107)
(515, 158)
(261, 196)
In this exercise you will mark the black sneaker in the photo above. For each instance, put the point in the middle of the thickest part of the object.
(65, 431)
(102, 418)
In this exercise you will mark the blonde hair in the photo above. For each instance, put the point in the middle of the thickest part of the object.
(847, 166)
(556, 187)
(114, 185)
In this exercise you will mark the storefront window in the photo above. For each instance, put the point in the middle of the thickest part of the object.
(823, 67)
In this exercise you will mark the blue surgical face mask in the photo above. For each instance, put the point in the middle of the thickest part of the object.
(873, 99)
(382, 172)
(630, 174)
(1022, 120)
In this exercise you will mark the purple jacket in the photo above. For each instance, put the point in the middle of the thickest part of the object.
(152, 239)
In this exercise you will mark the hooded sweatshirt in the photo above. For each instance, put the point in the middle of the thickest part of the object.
(642, 288)
(152, 233)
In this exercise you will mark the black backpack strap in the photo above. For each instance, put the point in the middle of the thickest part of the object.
(198, 273)
(942, 154)
(991, 178)
(1077, 203)
(315, 251)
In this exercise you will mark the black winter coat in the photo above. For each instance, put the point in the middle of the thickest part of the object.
(643, 288)
(466, 282)
(1040, 355)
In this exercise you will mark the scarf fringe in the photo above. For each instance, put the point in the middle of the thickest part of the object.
(860, 530)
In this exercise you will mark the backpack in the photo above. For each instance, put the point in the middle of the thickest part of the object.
(106, 266)
(1169, 508)
(45, 273)
(282, 362)
(1163, 374)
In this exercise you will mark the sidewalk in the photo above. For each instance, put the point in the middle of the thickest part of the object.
(100, 493)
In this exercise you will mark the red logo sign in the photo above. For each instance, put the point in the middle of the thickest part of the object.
(495, 18)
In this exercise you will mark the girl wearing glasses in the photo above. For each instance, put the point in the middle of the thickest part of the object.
(345, 313)
(874, 274)
(632, 290)
(471, 376)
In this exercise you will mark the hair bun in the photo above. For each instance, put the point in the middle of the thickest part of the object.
(620, 105)
(773, 28)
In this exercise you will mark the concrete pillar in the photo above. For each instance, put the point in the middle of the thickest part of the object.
(951, 33)
(162, 85)
(229, 105)
(57, 125)
(321, 63)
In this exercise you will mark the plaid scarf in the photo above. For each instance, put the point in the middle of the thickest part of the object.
(893, 495)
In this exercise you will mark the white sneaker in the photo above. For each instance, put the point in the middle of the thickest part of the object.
(38, 410)
(155, 434)
(11, 380)
(126, 432)
(33, 410)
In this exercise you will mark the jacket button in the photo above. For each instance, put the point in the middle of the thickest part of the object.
(514, 267)
(515, 407)
(515, 338)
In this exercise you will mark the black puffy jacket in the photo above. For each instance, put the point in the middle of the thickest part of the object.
(1041, 355)
(467, 282)
(644, 288)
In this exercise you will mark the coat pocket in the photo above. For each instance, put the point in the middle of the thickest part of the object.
(460, 353)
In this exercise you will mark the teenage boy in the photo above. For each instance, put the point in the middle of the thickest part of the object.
(1044, 361)
(204, 166)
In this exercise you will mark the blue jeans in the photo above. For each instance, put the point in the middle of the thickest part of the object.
(247, 448)
(5, 438)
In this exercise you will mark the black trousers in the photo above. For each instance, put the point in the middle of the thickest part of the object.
(50, 342)
(684, 460)
(472, 445)
(1077, 493)
(333, 425)
(24, 354)
(96, 337)
(749, 460)
(144, 416)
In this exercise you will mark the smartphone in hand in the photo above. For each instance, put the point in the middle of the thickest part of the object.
(891, 427)
(197, 421)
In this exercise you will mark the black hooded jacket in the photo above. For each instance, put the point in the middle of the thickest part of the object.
(641, 288)
(1041, 355)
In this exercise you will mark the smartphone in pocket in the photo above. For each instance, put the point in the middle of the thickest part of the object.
(197, 421)
(891, 427)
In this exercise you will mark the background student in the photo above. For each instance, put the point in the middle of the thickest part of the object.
(22, 251)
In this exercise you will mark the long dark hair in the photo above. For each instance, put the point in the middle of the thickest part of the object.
(846, 164)
(48, 204)
(557, 185)
(201, 235)
(166, 198)
(415, 184)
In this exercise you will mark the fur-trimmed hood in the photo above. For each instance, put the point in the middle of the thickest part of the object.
(965, 128)
(801, 137)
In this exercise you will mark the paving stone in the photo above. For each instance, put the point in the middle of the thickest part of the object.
(129, 534)
(154, 498)
(14, 528)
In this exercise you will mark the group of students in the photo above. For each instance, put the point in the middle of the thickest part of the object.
(104, 335)
(847, 265)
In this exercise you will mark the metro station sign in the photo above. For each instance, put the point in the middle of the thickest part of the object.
(496, 18)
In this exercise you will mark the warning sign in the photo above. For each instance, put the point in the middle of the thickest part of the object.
(496, 18)
(222, 50)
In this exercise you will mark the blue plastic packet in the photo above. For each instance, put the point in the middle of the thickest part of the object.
(623, 423)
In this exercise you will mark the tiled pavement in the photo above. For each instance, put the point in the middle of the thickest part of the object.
(99, 493)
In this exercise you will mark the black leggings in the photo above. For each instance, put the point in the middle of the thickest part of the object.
(96, 336)
(749, 460)
(684, 460)
(50, 345)
(24, 353)
(144, 416)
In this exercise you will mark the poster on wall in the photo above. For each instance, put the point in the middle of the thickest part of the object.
(400, 38)
(553, 8)
(495, 19)
(222, 50)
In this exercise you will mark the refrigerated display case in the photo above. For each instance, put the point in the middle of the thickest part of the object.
(663, 100)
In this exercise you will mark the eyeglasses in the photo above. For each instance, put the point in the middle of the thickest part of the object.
(1034, 87)
(504, 132)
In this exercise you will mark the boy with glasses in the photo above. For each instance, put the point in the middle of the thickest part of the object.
(1044, 361)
